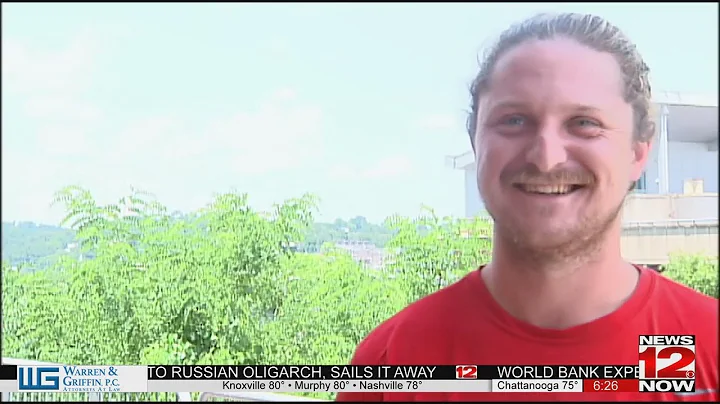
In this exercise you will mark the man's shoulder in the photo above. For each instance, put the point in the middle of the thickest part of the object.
(684, 310)
(678, 297)
(680, 309)
(427, 316)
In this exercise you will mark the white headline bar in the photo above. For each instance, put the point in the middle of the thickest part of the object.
(312, 386)
(537, 386)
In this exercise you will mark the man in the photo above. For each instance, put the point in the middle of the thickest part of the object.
(561, 126)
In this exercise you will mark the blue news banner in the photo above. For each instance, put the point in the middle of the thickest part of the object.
(289, 379)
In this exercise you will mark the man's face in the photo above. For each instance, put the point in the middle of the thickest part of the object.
(554, 144)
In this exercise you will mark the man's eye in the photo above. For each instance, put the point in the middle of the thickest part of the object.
(585, 122)
(585, 127)
(514, 120)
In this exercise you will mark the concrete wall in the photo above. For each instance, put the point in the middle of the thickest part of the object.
(653, 245)
(656, 226)
(657, 208)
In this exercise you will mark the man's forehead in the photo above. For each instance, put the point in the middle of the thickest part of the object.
(561, 53)
(559, 71)
(518, 103)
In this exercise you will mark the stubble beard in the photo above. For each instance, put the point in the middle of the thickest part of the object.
(573, 247)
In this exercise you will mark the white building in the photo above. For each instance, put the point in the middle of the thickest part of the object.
(684, 157)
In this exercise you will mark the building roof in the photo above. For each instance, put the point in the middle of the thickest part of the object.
(460, 161)
(685, 99)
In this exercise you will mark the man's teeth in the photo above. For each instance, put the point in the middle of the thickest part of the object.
(547, 189)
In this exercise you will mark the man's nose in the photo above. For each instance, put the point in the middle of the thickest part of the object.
(547, 150)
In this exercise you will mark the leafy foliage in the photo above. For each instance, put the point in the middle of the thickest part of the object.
(430, 252)
(224, 286)
(698, 272)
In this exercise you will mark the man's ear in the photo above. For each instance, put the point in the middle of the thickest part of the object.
(641, 154)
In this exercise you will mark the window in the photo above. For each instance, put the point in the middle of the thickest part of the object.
(641, 184)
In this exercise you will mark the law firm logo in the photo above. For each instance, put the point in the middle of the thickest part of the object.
(45, 378)
(667, 363)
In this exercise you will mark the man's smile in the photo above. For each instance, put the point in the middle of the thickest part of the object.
(550, 189)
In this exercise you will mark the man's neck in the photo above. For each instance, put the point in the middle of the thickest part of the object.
(572, 293)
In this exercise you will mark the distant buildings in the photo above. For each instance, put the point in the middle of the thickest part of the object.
(364, 252)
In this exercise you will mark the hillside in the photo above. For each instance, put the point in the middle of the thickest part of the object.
(355, 229)
(36, 245)
(28, 242)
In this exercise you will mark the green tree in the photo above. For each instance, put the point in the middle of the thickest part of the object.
(223, 285)
(430, 252)
(698, 272)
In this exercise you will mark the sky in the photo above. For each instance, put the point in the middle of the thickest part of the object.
(356, 103)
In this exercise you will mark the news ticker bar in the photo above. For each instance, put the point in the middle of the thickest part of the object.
(419, 386)
(137, 379)
(347, 372)
(297, 386)
(410, 372)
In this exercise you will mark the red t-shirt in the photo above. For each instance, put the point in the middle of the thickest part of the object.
(462, 324)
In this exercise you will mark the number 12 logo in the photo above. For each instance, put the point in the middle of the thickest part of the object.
(466, 372)
(672, 369)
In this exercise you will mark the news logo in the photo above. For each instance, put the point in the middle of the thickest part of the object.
(667, 363)
(466, 372)
(31, 378)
